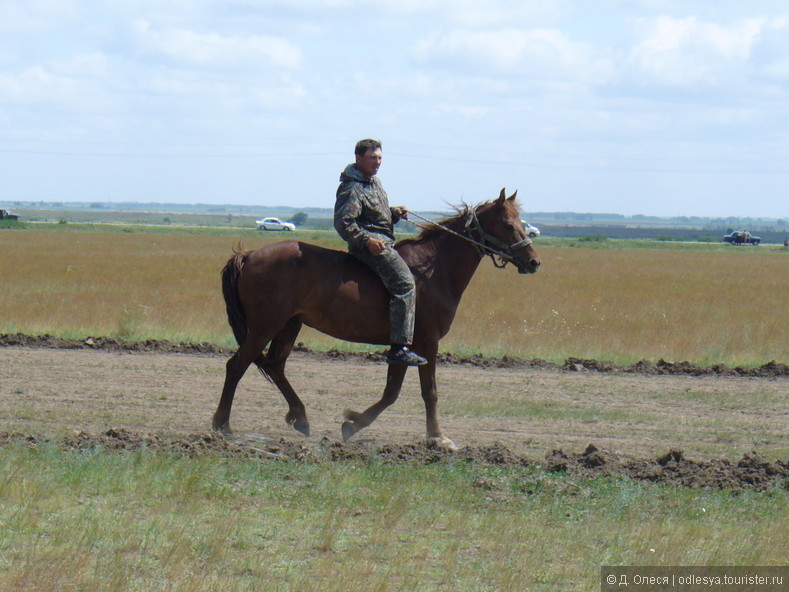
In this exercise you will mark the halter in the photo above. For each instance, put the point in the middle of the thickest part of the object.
(499, 252)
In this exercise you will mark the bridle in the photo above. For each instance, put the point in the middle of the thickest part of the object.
(499, 252)
(499, 249)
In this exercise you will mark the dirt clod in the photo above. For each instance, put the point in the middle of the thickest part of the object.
(752, 471)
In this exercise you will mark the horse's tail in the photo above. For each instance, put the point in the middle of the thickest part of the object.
(235, 311)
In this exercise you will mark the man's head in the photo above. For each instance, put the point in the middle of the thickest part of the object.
(368, 156)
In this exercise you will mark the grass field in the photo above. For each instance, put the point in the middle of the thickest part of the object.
(711, 304)
(140, 521)
(149, 521)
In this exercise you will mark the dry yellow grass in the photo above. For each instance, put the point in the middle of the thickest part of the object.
(707, 307)
(129, 285)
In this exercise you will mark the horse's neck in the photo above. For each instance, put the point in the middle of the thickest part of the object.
(453, 263)
(463, 261)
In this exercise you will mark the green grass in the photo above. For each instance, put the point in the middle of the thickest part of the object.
(542, 410)
(12, 225)
(149, 521)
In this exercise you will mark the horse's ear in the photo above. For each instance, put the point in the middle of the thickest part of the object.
(502, 195)
(513, 196)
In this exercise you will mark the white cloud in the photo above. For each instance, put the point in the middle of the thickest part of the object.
(482, 13)
(35, 16)
(212, 50)
(466, 13)
(669, 34)
(686, 52)
(545, 53)
(466, 111)
(38, 85)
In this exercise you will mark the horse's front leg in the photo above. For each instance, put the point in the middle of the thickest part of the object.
(357, 421)
(427, 380)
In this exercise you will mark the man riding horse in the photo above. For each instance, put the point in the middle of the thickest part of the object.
(272, 292)
(363, 217)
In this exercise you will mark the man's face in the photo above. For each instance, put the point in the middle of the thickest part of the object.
(370, 162)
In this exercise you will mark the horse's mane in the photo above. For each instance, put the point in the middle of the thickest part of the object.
(456, 221)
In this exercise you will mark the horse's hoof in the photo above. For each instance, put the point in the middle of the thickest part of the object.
(443, 442)
(352, 415)
(349, 429)
(299, 421)
(302, 427)
(222, 428)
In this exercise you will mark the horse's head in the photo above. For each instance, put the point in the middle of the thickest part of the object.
(498, 226)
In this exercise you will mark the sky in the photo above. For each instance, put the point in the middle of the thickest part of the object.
(668, 108)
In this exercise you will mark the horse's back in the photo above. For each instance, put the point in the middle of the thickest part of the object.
(327, 289)
(294, 254)
(299, 267)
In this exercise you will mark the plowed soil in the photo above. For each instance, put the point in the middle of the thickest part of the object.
(665, 422)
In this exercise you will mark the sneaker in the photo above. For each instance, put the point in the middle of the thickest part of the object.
(402, 355)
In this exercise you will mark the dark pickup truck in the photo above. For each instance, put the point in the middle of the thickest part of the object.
(742, 237)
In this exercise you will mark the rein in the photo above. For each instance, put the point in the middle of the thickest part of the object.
(500, 249)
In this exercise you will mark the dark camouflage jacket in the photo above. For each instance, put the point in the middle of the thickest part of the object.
(362, 209)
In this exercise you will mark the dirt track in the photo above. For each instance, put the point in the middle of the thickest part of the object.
(649, 422)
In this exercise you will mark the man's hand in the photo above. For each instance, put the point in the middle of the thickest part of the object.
(374, 246)
(401, 212)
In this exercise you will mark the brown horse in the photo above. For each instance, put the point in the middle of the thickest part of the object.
(272, 291)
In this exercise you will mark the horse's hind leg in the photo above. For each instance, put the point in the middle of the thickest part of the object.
(236, 366)
(273, 365)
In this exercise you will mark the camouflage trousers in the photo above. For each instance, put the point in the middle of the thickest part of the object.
(397, 278)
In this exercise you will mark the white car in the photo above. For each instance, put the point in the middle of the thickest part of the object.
(532, 231)
(274, 224)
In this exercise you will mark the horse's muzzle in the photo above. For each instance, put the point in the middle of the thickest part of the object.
(527, 260)
(530, 266)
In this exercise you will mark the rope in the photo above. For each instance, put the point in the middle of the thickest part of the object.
(482, 248)
(449, 230)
